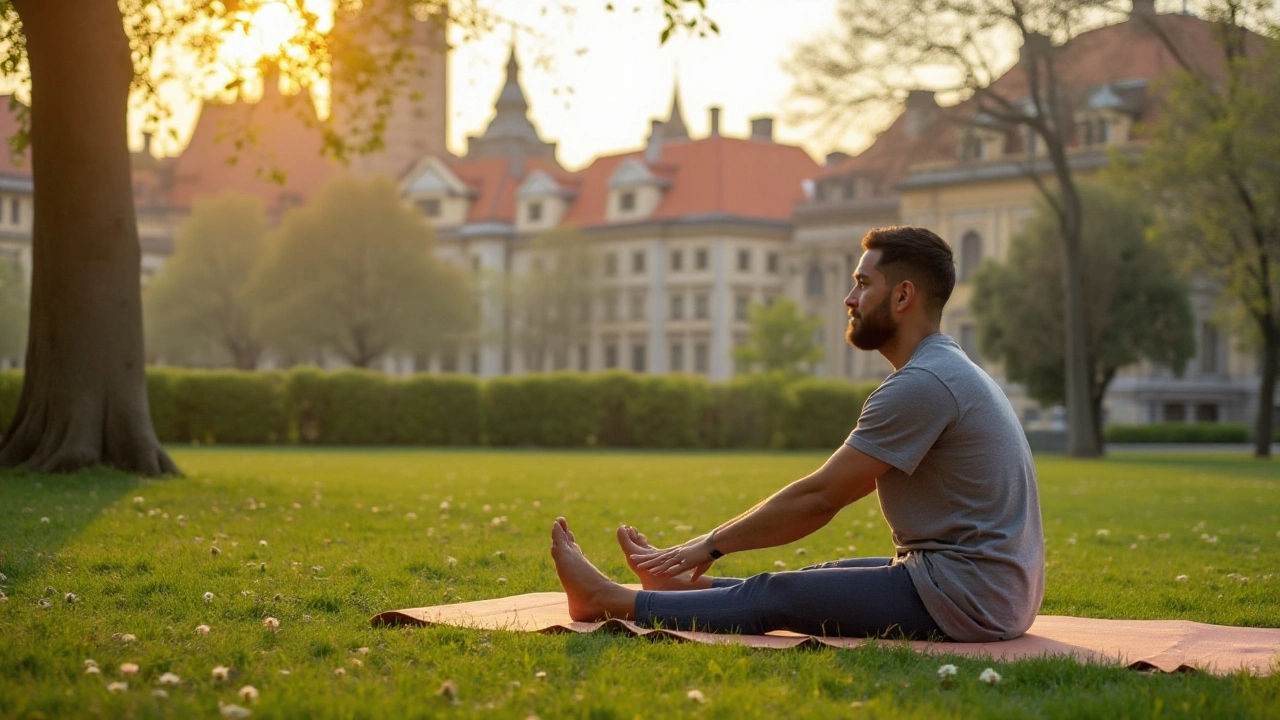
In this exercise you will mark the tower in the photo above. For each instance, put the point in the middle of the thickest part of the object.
(417, 123)
(510, 133)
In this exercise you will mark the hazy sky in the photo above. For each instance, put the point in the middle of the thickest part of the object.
(606, 75)
(595, 77)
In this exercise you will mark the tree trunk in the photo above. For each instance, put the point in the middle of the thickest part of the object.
(84, 394)
(1082, 429)
(1266, 390)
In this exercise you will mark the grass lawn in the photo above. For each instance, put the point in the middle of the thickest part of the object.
(322, 539)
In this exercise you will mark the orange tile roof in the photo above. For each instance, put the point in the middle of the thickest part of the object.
(745, 178)
(495, 186)
(286, 140)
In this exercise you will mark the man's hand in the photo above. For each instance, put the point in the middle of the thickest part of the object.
(693, 555)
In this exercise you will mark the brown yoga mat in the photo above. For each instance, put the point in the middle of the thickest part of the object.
(1167, 645)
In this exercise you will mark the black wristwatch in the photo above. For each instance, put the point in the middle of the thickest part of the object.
(711, 540)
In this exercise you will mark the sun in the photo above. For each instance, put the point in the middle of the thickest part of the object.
(263, 32)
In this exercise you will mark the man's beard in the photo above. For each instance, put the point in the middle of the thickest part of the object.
(873, 329)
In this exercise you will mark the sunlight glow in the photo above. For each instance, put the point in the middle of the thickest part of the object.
(262, 33)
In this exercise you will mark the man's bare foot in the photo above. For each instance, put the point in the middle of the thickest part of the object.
(633, 542)
(592, 596)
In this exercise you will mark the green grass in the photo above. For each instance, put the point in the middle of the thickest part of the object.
(350, 533)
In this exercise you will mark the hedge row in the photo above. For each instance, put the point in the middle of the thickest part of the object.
(352, 407)
(1178, 433)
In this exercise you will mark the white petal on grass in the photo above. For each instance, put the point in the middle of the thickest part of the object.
(129, 669)
(1182, 578)
(117, 687)
(248, 693)
(202, 629)
(989, 676)
(92, 670)
(158, 693)
(235, 712)
(170, 679)
(697, 696)
(271, 624)
(947, 671)
(221, 673)
(208, 597)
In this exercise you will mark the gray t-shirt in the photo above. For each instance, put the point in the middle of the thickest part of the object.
(960, 495)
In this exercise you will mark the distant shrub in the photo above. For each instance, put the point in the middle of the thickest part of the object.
(232, 407)
(10, 391)
(347, 407)
(165, 417)
(437, 410)
(747, 412)
(821, 413)
(1178, 433)
(553, 410)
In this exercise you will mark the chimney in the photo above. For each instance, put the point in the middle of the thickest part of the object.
(921, 106)
(835, 157)
(762, 128)
(715, 121)
(653, 147)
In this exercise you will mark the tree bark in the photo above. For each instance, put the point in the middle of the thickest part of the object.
(1082, 427)
(84, 396)
(1266, 390)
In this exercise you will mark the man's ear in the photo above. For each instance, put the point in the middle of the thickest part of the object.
(903, 295)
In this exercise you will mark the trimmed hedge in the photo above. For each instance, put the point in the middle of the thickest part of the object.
(1178, 433)
(356, 407)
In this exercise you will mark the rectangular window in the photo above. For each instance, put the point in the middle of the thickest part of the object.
(1207, 413)
(771, 262)
(740, 303)
(1175, 412)
(701, 306)
(677, 260)
(744, 260)
(627, 201)
(701, 357)
(534, 213)
(610, 308)
(583, 357)
(611, 264)
(700, 259)
(449, 361)
(430, 207)
(638, 356)
(677, 306)
(637, 306)
(637, 262)
(677, 357)
(611, 356)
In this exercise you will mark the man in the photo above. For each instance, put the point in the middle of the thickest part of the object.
(941, 444)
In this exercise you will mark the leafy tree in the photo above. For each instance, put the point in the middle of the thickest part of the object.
(13, 308)
(1213, 166)
(781, 339)
(553, 298)
(1137, 305)
(84, 399)
(875, 56)
(199, 302)
(355, 273)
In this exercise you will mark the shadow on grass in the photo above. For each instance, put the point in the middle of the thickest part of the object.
(70, 502)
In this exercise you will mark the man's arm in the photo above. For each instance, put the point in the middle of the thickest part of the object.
(786, 516)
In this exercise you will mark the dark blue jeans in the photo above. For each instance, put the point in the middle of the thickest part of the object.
(862, 597)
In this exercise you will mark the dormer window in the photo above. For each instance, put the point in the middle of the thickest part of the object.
(534, 212)
(627, 201)
(430, 207)
(971, 148)
(635, 191)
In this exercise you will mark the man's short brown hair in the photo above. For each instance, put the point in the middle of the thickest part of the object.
(918, 255)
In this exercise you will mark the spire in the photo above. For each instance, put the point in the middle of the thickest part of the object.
(511, 132)
(674, 128)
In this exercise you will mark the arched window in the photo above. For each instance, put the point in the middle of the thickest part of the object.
(970, 255)
(813, 284)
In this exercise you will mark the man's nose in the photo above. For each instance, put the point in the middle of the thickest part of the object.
(851, 300)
